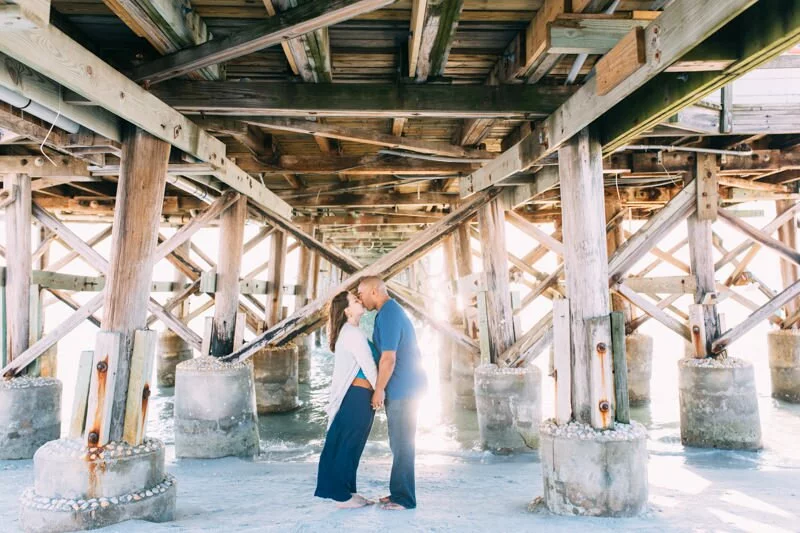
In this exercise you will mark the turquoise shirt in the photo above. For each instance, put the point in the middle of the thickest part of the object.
(376, 355)
(394, 332)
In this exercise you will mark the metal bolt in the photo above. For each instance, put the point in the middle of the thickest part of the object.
(102, 366)
(695, 329)
(601, 347)
(146, 393)
(604, 406)
(93, 437)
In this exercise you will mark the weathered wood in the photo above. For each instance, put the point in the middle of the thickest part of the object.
(653, 310)
(627, 56)
(363, 166)
(72, 255)
(707, 188)
(601, 379)
(615, 237)
(369, 137)
(787, 235)
(682, 25)
(554, 245)
(80, 399)
(303, 274)
(142, 360)
(275, 275)
(18, 265)
(760, 236)
(589, 35)
(140, 193)
(25, 15)
(418, 10)
(45, 343)
(536, 32)
(500, 327)
(562, 355)
(229, 266)
(102, 389)
(180, 329)
(620, 364)
(362, 100)
(438, 32)
(386, 267)
(54, 55)
(725, 340)
(531, 344)
(306, 18)
(663, 284)
(697, 326)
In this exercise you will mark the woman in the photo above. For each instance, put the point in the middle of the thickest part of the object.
(350, 411)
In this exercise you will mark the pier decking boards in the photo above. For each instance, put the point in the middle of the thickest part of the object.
(381, 137)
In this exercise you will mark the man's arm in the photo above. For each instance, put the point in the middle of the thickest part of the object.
(385, 371)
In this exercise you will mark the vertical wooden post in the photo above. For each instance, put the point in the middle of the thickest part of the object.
(229, 266)
(701, 248)
(303, 274)
(316, 266)
(182, 310)
(586, 264)
(450, 276)
(614, 240)
(500, 316)
(277, 264)
(18, 264)
(137, 212)
(463, 251)
(787, 234)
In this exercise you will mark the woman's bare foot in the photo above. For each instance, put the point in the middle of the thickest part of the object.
(366, 500)
(391, 506)
(385, 499)
(354, 502)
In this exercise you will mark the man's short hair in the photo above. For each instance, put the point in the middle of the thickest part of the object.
(373, 282)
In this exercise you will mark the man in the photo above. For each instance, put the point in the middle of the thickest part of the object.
(400, 382)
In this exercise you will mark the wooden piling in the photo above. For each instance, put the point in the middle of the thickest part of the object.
(18, 264)
(275, 277)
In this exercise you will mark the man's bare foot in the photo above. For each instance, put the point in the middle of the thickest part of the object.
(391, 506)
(354, 502)
(366, 500)
(385, 499)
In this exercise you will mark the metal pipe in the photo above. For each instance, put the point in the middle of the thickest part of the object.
(191, 187)
(581, 58)
(666, 148)
(38, 110)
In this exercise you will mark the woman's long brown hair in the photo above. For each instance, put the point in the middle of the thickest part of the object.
(336, 317)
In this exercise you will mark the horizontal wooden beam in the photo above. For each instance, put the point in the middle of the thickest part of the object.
(597, 34)
(365, 166)
(377, 199)
(53, 54)
(368, 220)
(305, 18)
(362, 100)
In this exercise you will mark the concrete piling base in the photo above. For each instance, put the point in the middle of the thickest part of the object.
(215, 409)
(718, 404)
(172, 350)
(305, 345)
(594, 473)
(30, 415)
(639, 356)
(77, 488)
(464, 363)
(275, 373)
(509, 404)
(784, 364)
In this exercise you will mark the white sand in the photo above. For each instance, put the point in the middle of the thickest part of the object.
(236, 495)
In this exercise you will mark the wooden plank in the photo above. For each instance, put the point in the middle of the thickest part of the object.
(788, 294)
(18, 264)
(107, 354)
(305, 18)
(48, 341)
(80, 399)
(418, 10)
(533, 231)
(205, 348)
(142, 360)
(682, 25)
(589, 35)
(760, 236)
(697, 326)
(176, 325)
(562, 354)
(360, 100)
(33, 13)
(663, 284)
(787, 235)
(500, 327)
(652, 310)
(54, 55)
(707, 188)
(369, 137)
(309, 55)
(275, 277)
(628, 56)
(229, 266)
(386, 267)
(601, 384)
(438, 33)
(536, 33)
(622, 412)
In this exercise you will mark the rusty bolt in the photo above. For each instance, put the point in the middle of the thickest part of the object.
(146, 393)
(695, 329)
(601, 347)
(93, 437)
(604, 406)
(102, 366)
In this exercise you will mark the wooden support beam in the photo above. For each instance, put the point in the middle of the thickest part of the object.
(596, 34)
(53, 55)
(231, 239)
(682, 25)
(554, 245)
(628, 56)
(761, 237)
(787, 235)
(500, 326)
(653, 310)
(72, 255)
(81, 398)
(418, 10)
(438, 31)
(379, 199)
(531, 344)
(303, 274)
(108, 353)
(140, 193)
(309, 55)
(300, 20)
(386, 267)
(143, 360)
(586, 265)
(18, 265)
(364, 166)
(167, 26)
(362, 100)
(276, 268)
(369, 137)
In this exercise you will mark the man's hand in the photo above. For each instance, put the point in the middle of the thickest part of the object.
(378, 398)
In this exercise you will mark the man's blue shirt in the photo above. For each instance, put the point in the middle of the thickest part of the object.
(395, 332)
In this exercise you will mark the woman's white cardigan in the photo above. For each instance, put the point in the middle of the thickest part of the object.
(352, 353)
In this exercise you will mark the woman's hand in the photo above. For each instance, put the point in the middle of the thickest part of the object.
(378, 398)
